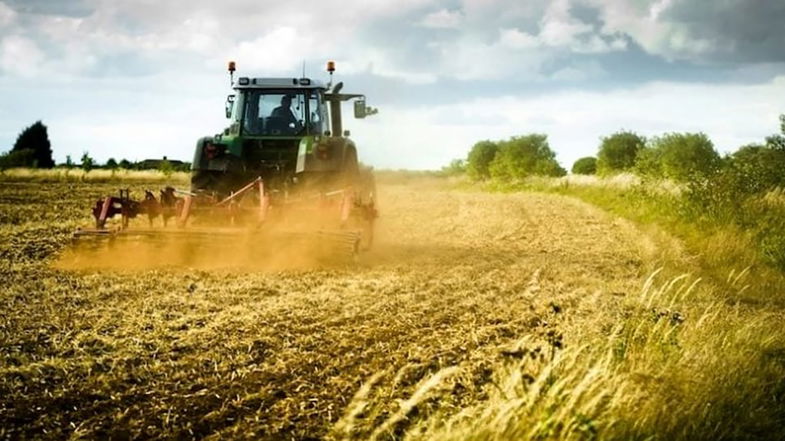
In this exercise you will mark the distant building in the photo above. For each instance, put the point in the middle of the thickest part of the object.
(155, 164)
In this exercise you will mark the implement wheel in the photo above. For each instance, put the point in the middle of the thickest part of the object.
(366, 198)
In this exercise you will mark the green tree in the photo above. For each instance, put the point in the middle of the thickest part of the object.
(618, 152)
(585, 166)
(125, 164)
(111, 164)
(87, 162)
(480, 157)
(166, 167)
(755, 168)
(679, 156)
(523, 156)
(36, 139)
(69, 163)
(455, 168)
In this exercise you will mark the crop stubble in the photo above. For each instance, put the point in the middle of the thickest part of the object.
(262, 353)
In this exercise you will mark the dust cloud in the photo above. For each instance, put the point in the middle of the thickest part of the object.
(277, 247)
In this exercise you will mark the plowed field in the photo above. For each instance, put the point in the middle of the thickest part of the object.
(248, 352)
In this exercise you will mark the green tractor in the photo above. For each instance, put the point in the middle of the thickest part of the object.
(289, 132)
(284, 163)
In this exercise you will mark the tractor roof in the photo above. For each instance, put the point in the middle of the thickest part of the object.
(278, 83)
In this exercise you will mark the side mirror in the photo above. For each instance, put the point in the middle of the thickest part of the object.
(229, 105)
(359, 109)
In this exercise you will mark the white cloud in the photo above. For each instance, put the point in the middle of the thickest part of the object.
(559, 30)
(471, 59)
(646, 22)
(20, 56)
(443, 19)
(658, 7)
(7, 15)
(515, 39)
(280, 51)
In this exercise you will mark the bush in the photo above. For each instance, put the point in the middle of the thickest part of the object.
(618, 152)
(87, 162)
(585, 166)
(756, 169)
(17, 158)
(751, 171)
(166, 167)
(678, 156)
(455, 168)
(480, 157)
(523, 156)
(746, 192)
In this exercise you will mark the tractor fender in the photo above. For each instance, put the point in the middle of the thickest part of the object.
(329, 154)
(200, 162)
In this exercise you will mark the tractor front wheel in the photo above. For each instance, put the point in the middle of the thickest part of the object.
(217, 182)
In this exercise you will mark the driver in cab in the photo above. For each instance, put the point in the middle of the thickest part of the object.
(284, 111)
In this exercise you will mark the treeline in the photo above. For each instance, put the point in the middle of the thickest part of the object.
(165, 165)
(33, 149)
(744, 189)
(680, 157)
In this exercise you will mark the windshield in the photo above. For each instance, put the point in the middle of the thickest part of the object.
(282, 113)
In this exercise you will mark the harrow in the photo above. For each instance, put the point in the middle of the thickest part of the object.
(335, 223)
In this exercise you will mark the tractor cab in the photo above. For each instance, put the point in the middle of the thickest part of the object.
(289, 107)
(283, 130)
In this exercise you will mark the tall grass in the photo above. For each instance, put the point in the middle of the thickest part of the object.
(99, 175)
(675, 366)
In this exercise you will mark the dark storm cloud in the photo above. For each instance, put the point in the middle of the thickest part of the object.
(743, 30)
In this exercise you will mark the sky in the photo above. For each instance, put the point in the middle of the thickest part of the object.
(141, 79)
